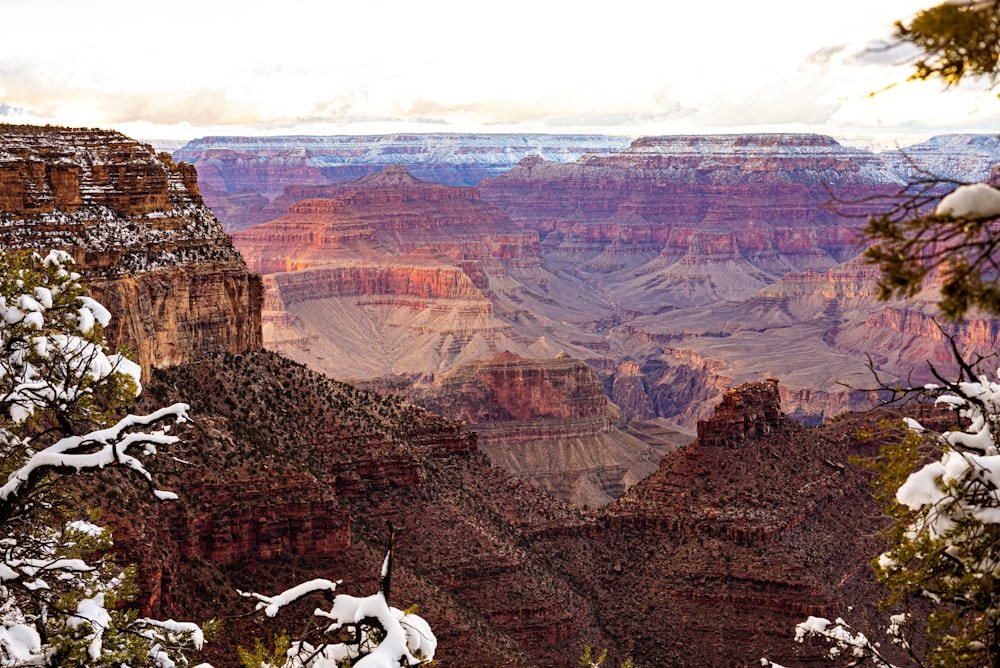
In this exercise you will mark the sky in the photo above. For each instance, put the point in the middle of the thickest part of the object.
(180, 69)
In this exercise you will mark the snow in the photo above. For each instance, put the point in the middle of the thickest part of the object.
(91, 611)
(272, 604)
(97, 311)
(406, 636)
(87, 528)
(921, 487)
(971, 202)
(22, 645)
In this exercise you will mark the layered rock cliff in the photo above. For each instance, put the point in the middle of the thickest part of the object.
(140, 233)
(768, 188)
(380, 215)
(714, 558)
(546, 420)
(239, 175)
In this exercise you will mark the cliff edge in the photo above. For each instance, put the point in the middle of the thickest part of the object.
(141, 235)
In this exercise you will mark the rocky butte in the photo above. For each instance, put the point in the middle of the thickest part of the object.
(141, 235)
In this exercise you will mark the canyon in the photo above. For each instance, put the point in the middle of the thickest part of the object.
(285, 474)
(240, 176)
(676, 268)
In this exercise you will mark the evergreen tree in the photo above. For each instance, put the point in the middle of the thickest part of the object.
(61, 400)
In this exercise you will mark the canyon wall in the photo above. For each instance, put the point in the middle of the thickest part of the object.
(546, 420)
(141, 236)
(241, 175)
(711, 560)
(696, 263)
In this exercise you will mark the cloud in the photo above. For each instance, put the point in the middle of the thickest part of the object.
(10, 111)
(53, 96)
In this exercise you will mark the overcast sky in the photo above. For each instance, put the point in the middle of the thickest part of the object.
(178, 69)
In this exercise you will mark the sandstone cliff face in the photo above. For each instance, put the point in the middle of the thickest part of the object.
(136, 225)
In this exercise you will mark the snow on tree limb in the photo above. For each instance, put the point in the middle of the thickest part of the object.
(115, 441)
(378, 635)
(59, 393)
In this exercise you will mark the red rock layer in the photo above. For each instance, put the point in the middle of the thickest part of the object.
(404, 282)
(136, 225)
(767, 188)
(382, 214)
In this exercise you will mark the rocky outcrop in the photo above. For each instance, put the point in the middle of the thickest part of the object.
(141, 235)
(747, 411)
(737, 537)
(291, 476)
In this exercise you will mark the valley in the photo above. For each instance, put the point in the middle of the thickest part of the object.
(607, 456)
(676, 268)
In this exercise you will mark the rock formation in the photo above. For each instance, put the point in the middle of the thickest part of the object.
(290, 476)
(713, 559)
(697, 262)
(709, 561)
(548, 421)
(287, 475)
(136, 225)
(239, 175)
(390, 274)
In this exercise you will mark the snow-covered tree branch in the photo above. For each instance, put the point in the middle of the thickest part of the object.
(61, 394)
(362, 632)
(942, 491)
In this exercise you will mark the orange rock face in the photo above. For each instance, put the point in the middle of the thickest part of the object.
(136, 225)
(383, 214)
